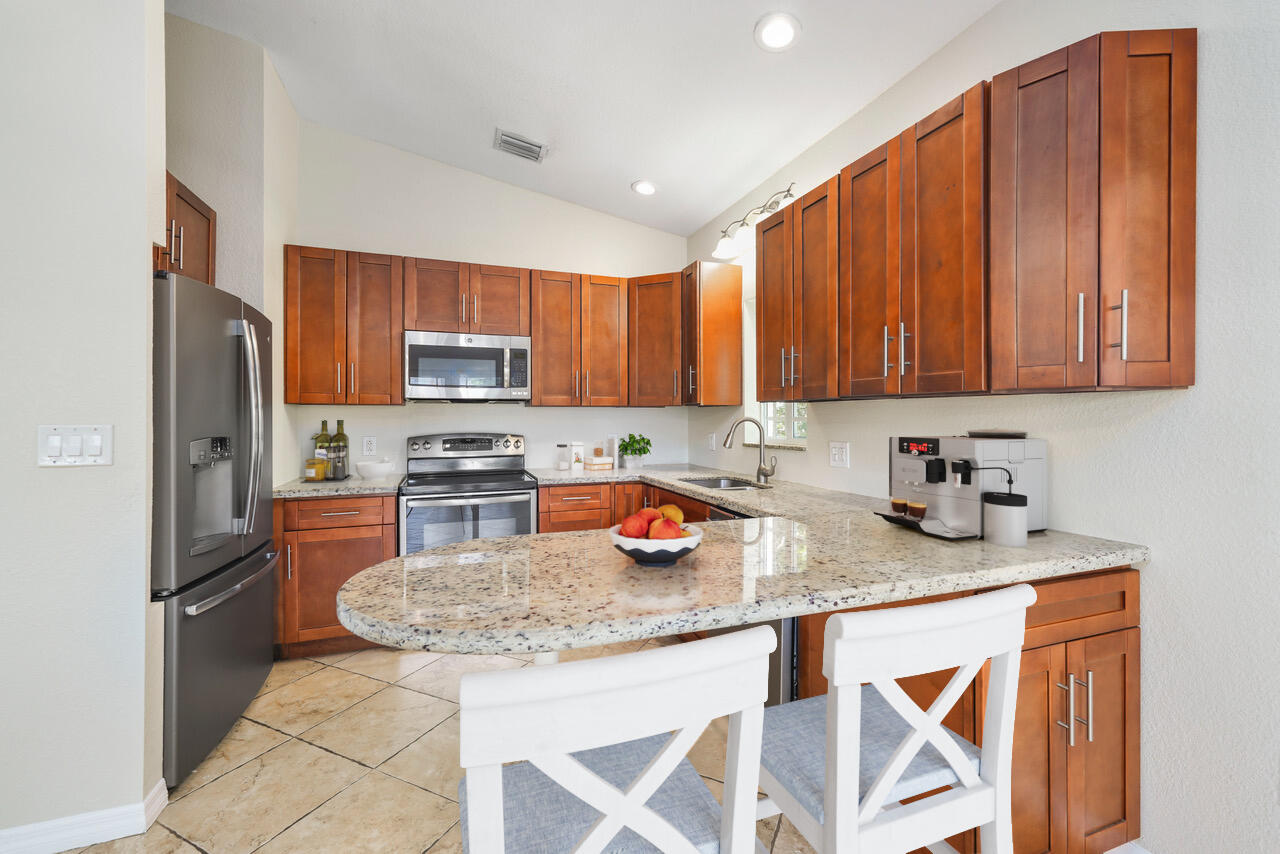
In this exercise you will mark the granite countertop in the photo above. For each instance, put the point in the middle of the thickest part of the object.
(354, 485)
(546, 592)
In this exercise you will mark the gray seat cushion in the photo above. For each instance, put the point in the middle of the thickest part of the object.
(795, 746)
(541, 817)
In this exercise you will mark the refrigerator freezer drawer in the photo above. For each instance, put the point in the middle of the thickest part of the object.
(218, 651)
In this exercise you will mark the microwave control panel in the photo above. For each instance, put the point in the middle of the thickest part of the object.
(519, 379)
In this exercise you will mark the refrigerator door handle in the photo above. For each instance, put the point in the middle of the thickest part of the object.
(253, 363)
(233, 591)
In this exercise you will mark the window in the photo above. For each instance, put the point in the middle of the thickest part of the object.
(785, 422)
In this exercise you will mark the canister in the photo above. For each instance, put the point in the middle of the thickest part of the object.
(1004, 518)
(577, 456)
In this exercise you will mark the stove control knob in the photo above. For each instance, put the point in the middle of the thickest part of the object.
(426, 446)
(506, 443)
(413, 446)
(517, 443)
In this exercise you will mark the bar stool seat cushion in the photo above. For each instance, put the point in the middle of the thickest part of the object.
(795, 743)
(540, 815)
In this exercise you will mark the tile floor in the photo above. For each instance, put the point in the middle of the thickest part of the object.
(356, 752)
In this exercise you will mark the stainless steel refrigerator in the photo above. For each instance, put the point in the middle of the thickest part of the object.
(212, 559)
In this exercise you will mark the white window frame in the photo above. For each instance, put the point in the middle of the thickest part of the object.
(765, 413)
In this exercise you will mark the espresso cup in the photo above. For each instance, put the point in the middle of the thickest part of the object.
(915, 509)
(899, 505)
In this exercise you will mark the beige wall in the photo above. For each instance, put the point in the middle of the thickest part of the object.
(1140, 466)
(75, 342)
(214, 120)
(357, 194)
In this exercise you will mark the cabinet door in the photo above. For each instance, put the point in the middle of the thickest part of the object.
(943, 248)
(320, 562)
(1103, 767)
(193, 228)
(693, 509)
(1044, 222)
(773, 305)
(655, 340)
(711, 374)
(628, 498)
(815, 294)
(375, 328)
(604, 341)
(869, 281)
(556, 309)
(499, 300)
(435, 295)
(315, 325)
(1148, 213)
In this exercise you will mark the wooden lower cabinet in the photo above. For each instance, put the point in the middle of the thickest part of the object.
(629, 498)
(1067, 799)
(574, 520)
(324, 542)
(575, 507)
(694, 510)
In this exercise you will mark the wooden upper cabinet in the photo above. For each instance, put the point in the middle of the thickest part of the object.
(654, 357)
(1044, 222)
(814, 351)
(436, 295)
(944, 248)
(556, 317)
(869, 273)
(499, 300)
(375, 329)
(315, 327)
(711, 351)
(1147, 208)
(773, 305)
(604, 341)
(192, 232)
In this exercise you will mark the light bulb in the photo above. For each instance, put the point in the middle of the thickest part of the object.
(776, 31)
(644, 188)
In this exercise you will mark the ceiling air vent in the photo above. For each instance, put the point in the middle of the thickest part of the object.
(514, 143)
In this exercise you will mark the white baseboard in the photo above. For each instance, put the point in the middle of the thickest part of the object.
(1129, 848)
(86, 828)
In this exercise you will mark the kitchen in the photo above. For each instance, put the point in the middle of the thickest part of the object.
(286, 157)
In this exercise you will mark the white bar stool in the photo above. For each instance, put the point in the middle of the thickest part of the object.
(599, 748)
(838, 766)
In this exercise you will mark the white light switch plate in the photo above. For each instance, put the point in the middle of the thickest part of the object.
(839, 453)
(711, 441)
(369, 445)
(73, 445)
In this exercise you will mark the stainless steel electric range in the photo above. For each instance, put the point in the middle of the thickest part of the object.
(463, 487)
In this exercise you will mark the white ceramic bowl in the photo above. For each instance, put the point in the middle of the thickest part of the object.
(656, 552)
(370, 469)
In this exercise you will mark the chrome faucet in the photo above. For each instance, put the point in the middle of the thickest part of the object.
(763, 472)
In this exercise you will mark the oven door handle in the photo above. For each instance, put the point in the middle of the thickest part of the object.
(463, 502)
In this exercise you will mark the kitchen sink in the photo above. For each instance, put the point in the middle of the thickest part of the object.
(726, 483)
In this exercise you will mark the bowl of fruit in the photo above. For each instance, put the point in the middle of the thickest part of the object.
(655, 536)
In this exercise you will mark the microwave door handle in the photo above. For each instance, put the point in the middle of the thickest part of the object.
(465, 502)
(506, 368)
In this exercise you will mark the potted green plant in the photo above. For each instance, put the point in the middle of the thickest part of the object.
(631, 449)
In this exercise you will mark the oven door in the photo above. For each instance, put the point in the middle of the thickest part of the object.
(452, 366)
(430, 521)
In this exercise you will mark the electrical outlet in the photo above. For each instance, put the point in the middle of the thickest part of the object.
(839, 452)
(711, 441)
(369, 445)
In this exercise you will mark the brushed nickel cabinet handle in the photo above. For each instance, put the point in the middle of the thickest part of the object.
(339, 372)
(793, 366)
(182, 256)
(784, 367)
(903, 335)
(578, 497)
(576, 388)
(288, 551)
(173, 239)
(462, 300)
(1124, 325)
(475, 308)
(691, 373)
(351, 378)
(1079, 327)
(1070, 725)
(1088, 703)
(341, 513)
(887, 339)
(586, 384)
(675, 383)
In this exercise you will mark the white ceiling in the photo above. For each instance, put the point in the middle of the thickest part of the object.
(675, 91)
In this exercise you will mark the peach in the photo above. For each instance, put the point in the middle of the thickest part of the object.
(672, 512)
(649, 514)
(634, 526)
(664, 529)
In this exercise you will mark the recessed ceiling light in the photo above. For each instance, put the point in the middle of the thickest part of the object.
(644, 188)
(776, 31)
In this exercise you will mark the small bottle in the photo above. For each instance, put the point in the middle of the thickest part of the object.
(338, 448)
(322, 440)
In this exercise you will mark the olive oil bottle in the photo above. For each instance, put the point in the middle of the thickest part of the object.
(322, 440)
(339, 446)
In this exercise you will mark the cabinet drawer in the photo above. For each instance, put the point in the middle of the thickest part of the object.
(591, 496)
(574, 520)
(1082, 606)
(311, 513)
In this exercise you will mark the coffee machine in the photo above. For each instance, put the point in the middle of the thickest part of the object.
(949, 474)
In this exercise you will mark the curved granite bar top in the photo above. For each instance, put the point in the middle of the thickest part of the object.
(546, 592)
(354, 485)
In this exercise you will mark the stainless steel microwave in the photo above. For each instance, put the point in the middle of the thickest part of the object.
(458, 366)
